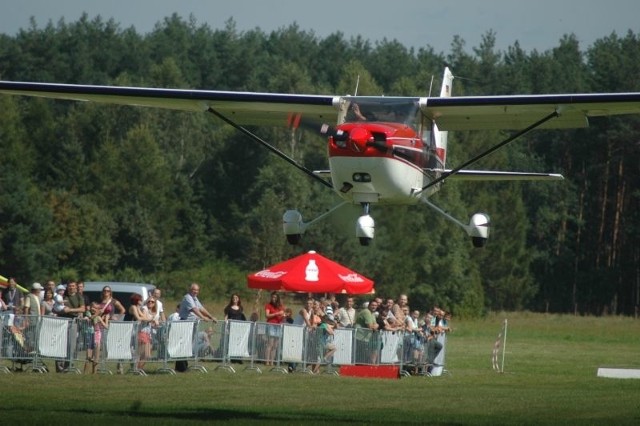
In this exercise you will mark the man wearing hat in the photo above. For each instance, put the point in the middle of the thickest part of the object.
(32, 300)
(12, 297)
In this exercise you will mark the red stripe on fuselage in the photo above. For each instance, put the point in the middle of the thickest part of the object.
(373, 139)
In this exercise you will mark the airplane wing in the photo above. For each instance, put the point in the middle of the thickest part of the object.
(489, 175)
(254, 108)
(518, 112)
(242, 107)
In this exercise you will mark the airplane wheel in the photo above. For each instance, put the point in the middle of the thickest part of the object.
(364, 241)
(478, 242)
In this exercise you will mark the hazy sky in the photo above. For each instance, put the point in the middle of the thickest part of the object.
(535, 24)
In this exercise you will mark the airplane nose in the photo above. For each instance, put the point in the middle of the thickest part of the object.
(359, 138)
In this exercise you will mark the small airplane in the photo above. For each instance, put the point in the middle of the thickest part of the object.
(381, 149)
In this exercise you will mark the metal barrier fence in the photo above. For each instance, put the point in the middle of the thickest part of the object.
(82, 346)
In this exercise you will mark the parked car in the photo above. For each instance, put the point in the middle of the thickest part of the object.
(119, 290)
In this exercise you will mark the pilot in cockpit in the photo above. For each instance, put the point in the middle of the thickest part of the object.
(380, 113)
(358, 116)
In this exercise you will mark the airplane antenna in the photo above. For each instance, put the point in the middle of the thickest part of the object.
(357, 84)
(430, 85)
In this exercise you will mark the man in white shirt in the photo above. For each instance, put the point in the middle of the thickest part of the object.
(157, 293)
(347, 314)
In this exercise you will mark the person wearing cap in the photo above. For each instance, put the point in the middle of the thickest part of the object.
(32, 300)
(12, 296)
(58, 299)
(58, 305)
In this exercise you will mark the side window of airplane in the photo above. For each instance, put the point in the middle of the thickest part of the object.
(429, 143)
(426, 131)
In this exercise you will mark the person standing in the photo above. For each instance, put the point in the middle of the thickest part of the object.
(12, 296)
(31, 311)
(157, 293)
(85, 298)
(399, 309)
(110, 306)
(148, 318)
(73, 308)
(274, 311)
(191, 309)
(366, 335)
(73, 301)
(31, 304)
(46, 305)
(48, 285)
(234, 309)
(85, 327)
(347, 315)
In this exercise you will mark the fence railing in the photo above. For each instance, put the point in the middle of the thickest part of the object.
(39, 343)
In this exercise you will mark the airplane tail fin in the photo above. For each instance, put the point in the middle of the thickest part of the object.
(447, 80)
(440, 137)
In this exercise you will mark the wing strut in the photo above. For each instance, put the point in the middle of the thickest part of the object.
(270, 147)
(538, 123)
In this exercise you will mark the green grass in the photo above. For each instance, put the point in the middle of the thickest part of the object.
(550, 378)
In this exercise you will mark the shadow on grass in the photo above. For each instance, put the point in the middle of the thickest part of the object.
(136, 410)
(241, 415)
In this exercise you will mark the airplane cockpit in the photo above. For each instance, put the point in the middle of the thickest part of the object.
(393, 110)
(377, 109)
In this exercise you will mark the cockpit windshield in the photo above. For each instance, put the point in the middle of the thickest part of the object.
(381, 109)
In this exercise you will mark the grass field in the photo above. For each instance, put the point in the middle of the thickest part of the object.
(550, 378)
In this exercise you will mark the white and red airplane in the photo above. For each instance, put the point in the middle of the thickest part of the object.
(382, 149)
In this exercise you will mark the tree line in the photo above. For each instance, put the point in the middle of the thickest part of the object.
(112, 192)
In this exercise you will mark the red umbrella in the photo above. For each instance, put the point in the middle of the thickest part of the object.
(310, 273)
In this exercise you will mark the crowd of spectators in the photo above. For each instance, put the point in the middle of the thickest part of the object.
(325, 314)
(320, 316)
(69, 301)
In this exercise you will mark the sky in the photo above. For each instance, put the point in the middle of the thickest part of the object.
(535, 24)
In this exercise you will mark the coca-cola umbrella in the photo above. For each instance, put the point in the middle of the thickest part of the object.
(310, 273)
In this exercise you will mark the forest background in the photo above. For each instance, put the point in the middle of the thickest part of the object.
(118, 193)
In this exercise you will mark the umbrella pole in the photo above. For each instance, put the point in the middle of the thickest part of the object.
(257, 303)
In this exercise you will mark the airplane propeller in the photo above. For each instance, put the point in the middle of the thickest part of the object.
(360, 138)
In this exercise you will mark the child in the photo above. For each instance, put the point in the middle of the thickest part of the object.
(326, 346)
(100, 322)
(58, 305)
(288, 315)
(176, 315)
(203, 343)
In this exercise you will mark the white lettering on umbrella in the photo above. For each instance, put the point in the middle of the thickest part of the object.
(351, 278)
(266, 273)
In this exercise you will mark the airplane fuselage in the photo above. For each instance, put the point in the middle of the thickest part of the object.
(378, 162)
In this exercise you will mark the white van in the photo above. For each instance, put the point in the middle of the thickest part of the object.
(119, 290)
